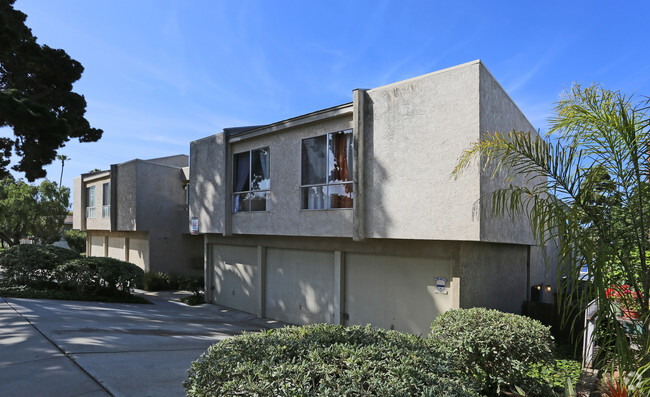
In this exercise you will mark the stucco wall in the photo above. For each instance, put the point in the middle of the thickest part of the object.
(98, 222)
(493, 276)
(415, 132)
(208, 183)
(285, 216)
(161, 210)
(125, 183)
(78, 203)
(500, 114)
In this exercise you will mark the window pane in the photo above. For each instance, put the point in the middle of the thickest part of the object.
(106, 194)
(260, 177)
(340, 158)
(90, 196)
(314, 161)
(240, 172)
(259, 201)
(341, 196)
(314, 198)
(240, 202)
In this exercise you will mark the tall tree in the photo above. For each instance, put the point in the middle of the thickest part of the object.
(62, 158)
(32, 211)
(36, 97)
(595, 203)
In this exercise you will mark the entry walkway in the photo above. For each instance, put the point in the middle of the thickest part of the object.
(72, 348)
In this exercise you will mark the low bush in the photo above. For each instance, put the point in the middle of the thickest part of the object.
(158, 281)
(76, 240)
(33, 264)
(95, 275)
(495, 348)
(325, 360)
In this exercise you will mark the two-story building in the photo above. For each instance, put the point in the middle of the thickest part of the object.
(350, 215)
(137, 212)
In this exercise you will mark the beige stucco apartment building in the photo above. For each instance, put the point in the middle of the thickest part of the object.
(138, 212)
(350, 215)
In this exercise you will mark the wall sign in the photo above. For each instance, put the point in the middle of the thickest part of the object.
(441, 284)
(194, 226)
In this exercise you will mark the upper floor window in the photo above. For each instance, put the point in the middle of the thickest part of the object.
(327, 166)
(251, 180)
(106, 200)
(90, 202)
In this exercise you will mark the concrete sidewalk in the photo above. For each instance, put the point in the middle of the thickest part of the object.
(72, 348)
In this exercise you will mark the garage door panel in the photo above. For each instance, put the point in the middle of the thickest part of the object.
(235, 276)
(96, 245)
(116, 248)
(395, 292)
(139, 252)
(300, 286)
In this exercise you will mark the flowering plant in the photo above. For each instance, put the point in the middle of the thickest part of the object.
(624, 297)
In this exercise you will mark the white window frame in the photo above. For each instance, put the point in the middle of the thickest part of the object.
(106, 209)
(250, 182)
(327, 183)
(90, 204)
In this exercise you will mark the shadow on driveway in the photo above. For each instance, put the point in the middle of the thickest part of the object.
(67, 348)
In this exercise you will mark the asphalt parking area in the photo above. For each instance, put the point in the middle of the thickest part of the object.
(72, 348)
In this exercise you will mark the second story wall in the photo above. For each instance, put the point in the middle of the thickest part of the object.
(208, 183)
(91, 201)
(415, 132)
(285, 215)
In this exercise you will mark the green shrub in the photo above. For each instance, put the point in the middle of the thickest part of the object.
(95, 275)
(324, 360)
(495, 348)
(158, 281)
(33, 264)
(76, 239)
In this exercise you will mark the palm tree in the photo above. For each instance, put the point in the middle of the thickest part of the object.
(593, 202)
(63, 158)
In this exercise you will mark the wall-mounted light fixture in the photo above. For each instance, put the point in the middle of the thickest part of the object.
(539, 287)
(548, 288)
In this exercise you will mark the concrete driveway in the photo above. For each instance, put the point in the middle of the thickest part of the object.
(71, 348)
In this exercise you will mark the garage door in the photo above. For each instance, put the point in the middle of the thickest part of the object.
(235, 275)
(395, 292)
(139, 252)
(300, 286)
(96, 245)
(116, 248)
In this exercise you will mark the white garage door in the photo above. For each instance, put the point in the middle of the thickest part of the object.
(116, 248)
(395, 292)
(96, 245)
(300, 286)
(235, 276)
(139, 252)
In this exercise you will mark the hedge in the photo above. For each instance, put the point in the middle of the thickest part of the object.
(97, 275)
(33, 264)
(325, 360)
(497, 349)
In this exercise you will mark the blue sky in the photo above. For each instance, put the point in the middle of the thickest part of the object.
(161, 73)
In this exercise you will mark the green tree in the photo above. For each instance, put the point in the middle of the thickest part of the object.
(35, 211)
(36, 97)
(593, 202)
